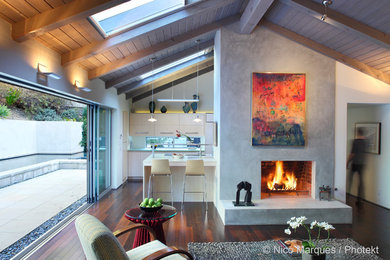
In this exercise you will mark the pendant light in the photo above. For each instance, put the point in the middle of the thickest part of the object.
(152, 119)
(197, 119)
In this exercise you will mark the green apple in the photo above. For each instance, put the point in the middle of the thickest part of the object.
(143, 204)
(151, 201)
(158, 204)
(146, 200)
(159, 200)
(147, 206)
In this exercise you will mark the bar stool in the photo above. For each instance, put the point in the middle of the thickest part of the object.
(195, 168)
(160, 167)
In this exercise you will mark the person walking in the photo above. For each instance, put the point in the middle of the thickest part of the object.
(357, 160)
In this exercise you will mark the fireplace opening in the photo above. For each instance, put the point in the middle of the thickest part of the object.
(287, 178)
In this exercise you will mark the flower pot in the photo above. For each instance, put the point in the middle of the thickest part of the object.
(308, 256)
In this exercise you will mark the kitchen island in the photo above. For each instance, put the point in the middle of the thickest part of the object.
(178, 168)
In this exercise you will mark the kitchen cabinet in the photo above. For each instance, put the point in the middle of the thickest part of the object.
(135, 168)
(167, 124)
(140, 126)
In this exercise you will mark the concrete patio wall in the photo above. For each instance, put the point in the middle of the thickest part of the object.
(14, 176)
(20, 137)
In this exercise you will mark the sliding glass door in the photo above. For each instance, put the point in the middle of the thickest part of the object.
(104, 150)
(99, 133)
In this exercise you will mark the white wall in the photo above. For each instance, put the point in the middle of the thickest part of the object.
(376, 177)
(20, 60)
(182, 90)
(20, 137)
(352, 86)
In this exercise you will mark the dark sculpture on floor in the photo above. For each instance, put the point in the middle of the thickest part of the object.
(248, 196)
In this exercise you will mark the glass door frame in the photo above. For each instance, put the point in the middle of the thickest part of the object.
(94, 193)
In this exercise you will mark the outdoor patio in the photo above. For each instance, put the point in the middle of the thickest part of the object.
(28, 204)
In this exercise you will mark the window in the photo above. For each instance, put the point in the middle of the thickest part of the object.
(172, 64)
(131, 13)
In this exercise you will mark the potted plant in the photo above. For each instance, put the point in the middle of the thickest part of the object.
(311, 247)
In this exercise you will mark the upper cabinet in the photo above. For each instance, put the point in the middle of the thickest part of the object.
(166, 124)
(140, 126)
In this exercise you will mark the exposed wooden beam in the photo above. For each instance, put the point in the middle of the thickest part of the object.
(59, 16)
(160, 63)
(148, 93)
(253, 13)
(328, 52)
(170, 78)
(198, 8)
(118, 64)
(341, 21)
(164, 74)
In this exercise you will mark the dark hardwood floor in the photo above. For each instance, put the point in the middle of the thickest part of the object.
(371, 226)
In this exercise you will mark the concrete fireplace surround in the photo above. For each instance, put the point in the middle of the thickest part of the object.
(237, 56)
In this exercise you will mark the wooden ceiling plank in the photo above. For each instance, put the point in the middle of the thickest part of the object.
(379, 61)
(55, 43)
(159, 47)
(49, 45)
(158, 64)
(87, 30)
(164, 74)
(170, 78)
(10, 14)
(64, 38)
(25, 9)
(145, 92)
(117, 53)
(39, 5)
(74, 34)
(111, 42)
(342, 21)
(329, 52)
(368, 56)
(55, 3)
(98, 60)
(253, 13)
(49, 20)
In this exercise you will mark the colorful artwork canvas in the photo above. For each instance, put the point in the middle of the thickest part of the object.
(278, 109)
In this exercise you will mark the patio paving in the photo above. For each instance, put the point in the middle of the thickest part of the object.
(26, 205)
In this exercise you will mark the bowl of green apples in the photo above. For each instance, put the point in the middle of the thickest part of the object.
(151, 205)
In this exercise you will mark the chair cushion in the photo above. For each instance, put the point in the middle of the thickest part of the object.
(97, 240)
(149, 248)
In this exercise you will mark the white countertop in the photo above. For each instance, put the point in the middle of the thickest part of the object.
(208, 160)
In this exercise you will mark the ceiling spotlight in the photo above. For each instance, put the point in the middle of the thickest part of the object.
(325, 3)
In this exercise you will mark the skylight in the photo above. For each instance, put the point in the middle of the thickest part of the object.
(173, 64)
(131, 13)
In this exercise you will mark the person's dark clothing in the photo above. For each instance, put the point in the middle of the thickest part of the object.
(359, 148)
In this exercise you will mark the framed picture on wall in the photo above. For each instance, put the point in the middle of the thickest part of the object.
(278, 109)
(372, 133)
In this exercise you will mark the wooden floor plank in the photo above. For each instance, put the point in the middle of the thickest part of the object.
(370, 226)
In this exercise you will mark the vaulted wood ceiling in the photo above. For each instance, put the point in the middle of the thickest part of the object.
(356, 33)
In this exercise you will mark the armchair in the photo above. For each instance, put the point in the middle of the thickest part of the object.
(99, 243)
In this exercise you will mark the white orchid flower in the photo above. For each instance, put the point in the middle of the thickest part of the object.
(287, 231)
(313, 224)
(328, 226)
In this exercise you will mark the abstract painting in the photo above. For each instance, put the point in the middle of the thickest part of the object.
(278, 109)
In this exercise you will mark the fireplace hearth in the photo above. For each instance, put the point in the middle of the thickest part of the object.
(287, 178)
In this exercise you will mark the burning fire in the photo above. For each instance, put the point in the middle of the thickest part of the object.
(282, 180)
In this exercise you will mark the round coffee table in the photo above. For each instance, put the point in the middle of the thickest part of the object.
(154, 220)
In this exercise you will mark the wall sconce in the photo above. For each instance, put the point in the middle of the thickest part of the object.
(78, 86)
(43, 74)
